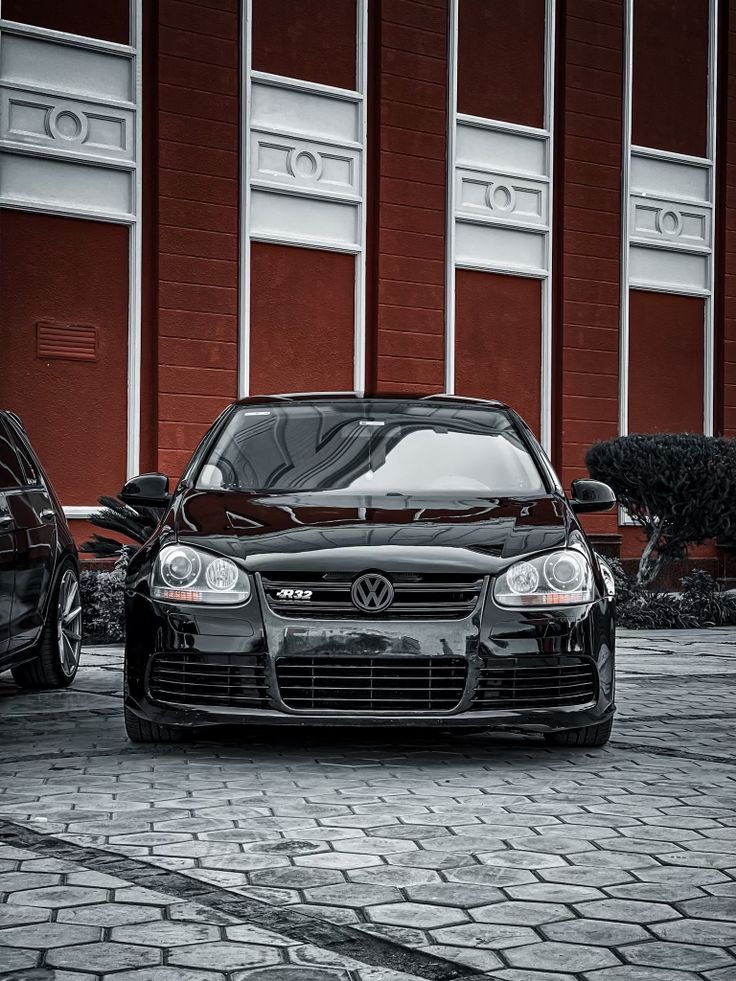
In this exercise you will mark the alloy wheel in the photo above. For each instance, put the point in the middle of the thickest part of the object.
(69, 623)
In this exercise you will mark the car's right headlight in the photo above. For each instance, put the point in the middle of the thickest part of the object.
(557, 579)
(182, 574)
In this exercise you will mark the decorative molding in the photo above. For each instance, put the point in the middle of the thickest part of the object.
(68, 127)
(303, 173)
(305, 164)
(499, 204)
(670, 226)
(502, 196)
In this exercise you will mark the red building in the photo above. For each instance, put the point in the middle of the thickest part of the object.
(529, 200)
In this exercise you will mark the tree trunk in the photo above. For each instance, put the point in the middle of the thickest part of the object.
(650, 563)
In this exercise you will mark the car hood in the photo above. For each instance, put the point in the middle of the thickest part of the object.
(328, 531)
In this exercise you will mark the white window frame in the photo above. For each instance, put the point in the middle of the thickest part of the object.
(360, 97)
(134, 51)
(546, 133)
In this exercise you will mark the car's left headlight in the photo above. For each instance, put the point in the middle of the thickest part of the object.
(557, 579)
(182, 574)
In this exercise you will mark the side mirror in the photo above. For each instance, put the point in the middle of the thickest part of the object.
(149, 490)
(591, 495)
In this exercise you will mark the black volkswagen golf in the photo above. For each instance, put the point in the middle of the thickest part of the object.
(369, 561)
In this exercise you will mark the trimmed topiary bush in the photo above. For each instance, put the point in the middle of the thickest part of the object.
(680, 488)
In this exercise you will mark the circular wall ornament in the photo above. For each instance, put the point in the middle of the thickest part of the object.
(305, 164)
(501, 197)
(67, 125)
(669, 222)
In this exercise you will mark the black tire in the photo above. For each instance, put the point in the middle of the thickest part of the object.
(588, 737)
(47, 669)
(142, 731)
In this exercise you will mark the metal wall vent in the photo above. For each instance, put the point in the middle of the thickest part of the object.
(66, 342)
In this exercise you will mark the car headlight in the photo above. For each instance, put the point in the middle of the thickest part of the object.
(182, 574)
(560, 578)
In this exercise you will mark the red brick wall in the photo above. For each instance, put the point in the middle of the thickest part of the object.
(109, 21)
(589, 254)
(500, 60)
(666, 363)
(498, 340)
(311, 39)
(67, 271)
(301, 320)
(197, 201)
(670, 75)
(410, 212)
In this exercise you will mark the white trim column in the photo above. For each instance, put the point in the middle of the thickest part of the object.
(668, 222)
(499, 204)
(303, 175)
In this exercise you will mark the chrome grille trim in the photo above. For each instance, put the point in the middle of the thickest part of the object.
(432, 596)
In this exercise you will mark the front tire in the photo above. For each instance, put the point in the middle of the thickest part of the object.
(589, 737)
(57, 653)
(142, 731)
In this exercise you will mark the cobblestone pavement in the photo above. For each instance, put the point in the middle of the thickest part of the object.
(374, 856)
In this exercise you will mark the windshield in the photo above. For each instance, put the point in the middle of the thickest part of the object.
(370, 447)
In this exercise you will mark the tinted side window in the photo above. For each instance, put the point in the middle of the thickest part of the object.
(24, 455)
(11, 469)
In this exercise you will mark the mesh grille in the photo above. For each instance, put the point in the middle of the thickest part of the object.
(535, 682)
(232, 681)
(376, 684)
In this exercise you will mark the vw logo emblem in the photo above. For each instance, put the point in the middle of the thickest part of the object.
(372, 593)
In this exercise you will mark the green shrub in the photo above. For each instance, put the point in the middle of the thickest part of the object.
(701, 603)
(102, 603)
(680, 488)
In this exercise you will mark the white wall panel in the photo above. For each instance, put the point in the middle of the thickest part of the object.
(480, 246)
(303, 221)
(92, 69)
(284, 106)
(88, 191)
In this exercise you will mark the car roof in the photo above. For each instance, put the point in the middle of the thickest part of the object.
(14, 417)
(353, 397)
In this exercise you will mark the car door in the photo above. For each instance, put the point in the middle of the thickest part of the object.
(34, 525)
(9, 478)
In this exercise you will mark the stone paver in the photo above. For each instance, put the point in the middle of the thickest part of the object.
(492, 853)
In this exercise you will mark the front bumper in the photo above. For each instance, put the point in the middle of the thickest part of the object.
(525, 655)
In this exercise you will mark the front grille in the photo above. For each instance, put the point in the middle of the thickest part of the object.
(426, 596)
(375, 684)
(535, 682)
(228, 680)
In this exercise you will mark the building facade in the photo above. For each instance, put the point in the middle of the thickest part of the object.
(533, 201)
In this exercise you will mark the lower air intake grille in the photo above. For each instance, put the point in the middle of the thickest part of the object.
(535, 682)
(228, 680)
(376, 684)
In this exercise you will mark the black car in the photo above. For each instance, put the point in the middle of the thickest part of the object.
(369, 561)
(40, 603)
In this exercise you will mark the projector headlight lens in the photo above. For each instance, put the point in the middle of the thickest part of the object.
(560, 578)
(183, 574)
